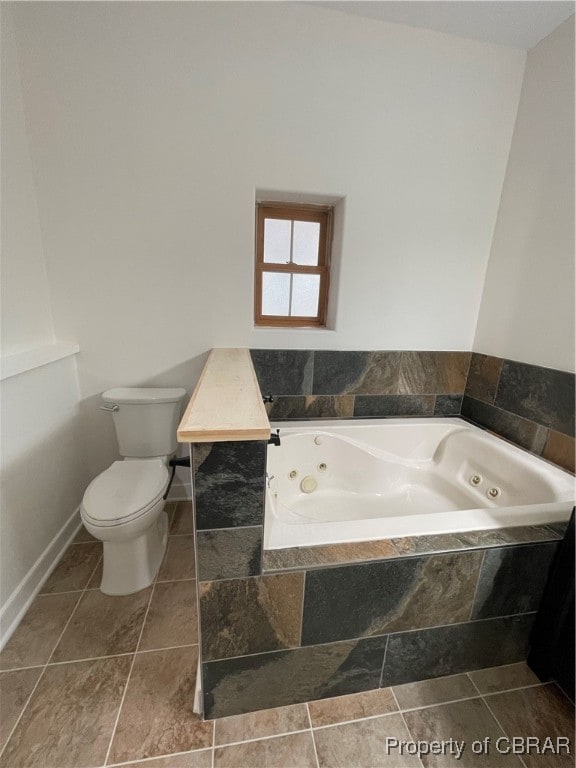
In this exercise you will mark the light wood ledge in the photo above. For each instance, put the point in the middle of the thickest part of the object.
(227, 403)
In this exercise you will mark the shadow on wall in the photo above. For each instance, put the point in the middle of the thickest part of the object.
(98, 428)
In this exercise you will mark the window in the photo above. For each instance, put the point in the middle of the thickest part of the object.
(292, 264)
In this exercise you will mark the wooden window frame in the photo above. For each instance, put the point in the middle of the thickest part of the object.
(323, 215)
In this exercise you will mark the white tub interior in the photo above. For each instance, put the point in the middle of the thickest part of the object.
(333, 482)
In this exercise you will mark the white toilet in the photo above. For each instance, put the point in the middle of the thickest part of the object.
(123, 506)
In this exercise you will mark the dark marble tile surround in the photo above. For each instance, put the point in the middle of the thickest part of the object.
(310, 625)
(529, 405)
(280, 639)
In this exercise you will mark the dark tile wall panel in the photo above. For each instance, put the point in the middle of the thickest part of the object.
(483, 377)
(246, 616)
(362, 373)
(433, 372)
(284, 371)
(518, 430)
(229, 553)
(311, 407)
(543, 395)
(448, 405)
(388, 596)
(376, 406)
(265, 681)
(529, 405)
(512, 580)
(560, 449)
(229, 481)
(440, 651)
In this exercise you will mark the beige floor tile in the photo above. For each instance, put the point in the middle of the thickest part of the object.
(257, 725)
(172, 618)
(504, 678)
(363, 744)
(462, 721)
(74, 569)
(69, 719)
(157, 717)
(199, 759)
(15, 687)
(352, 707)
(103, 625)
(294, 751)
(437, 691)
(179, 559)
(182, 521)
(541, 711)
(34, 639)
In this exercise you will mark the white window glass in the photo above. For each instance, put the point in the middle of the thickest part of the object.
(305, 295)
(306, 240)
(277, 236)
(275, 293)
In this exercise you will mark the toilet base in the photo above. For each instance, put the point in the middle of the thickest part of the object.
(132, 564)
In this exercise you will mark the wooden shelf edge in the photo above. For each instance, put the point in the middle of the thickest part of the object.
(226, 404)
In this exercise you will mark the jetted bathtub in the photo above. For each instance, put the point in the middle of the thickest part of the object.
(332, 482)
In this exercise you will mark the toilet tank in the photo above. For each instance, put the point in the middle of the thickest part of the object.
(145, 419)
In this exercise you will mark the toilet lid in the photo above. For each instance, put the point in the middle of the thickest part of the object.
(125, 490)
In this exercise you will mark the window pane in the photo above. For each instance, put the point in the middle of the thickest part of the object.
(277, 241)
(305, 294)
(276, 293)
(306, 239)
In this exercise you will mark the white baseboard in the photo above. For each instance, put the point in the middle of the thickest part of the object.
(180, 491)
(19, 601)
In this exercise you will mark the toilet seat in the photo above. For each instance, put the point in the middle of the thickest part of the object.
(125, 491)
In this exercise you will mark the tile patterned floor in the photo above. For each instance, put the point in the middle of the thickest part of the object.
(89, 681)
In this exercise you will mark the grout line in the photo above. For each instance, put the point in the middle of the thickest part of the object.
(383, 661)
(406, 725)
(128, 678)
(261, 738)
(65, 592)
(498, 382)
(157, 757)
(96, 658)
(167, 648)
(312, 734)
(368, 637)
(170, 581)
(478, 577)
(356, 719)
(301, 633)
(213, 742)
(489, 708)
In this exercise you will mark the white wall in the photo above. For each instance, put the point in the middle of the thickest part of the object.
(152, 124)
(25, 303)
(527, 310)
(42, 467)
(43, 476)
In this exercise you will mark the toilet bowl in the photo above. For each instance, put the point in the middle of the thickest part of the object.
(124, 506)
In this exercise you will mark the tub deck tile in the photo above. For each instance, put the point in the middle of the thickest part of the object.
(329, 554)
(319, 556)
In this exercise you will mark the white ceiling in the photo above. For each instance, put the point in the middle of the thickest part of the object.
(517, 23)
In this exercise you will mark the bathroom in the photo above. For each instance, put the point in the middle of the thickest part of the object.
(137, 139)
